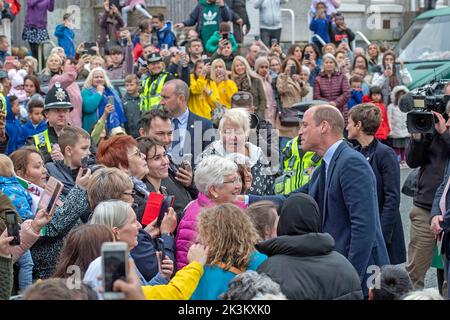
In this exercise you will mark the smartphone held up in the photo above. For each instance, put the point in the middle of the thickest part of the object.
(114, 267)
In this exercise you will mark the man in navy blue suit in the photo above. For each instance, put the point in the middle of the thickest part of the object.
(344, 186)
(191, 133)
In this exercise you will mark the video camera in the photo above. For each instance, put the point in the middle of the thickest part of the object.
(419, 104)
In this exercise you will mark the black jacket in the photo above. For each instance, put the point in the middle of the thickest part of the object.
(431, 155)
(60, 171)
(133, 114)
(385, 166)
(307, 268)
(238, 11)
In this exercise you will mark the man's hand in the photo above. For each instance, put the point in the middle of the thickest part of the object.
(166, 268)
(80, 48)
(441, 125)
(56, 153)
(169, 222)
(178, 25)
(436, 224)
(184, 176)
(83, 180)
(240, 21)
(132, 287)
(220, 3)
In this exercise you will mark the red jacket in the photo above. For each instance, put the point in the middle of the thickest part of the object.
(334, 89)
(384, 129)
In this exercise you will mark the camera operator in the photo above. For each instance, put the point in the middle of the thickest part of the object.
(440, 219)
(431, 153)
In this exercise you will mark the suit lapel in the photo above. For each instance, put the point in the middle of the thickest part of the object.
(330, 172)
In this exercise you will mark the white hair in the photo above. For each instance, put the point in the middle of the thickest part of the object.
(211, 172)
(111, 213)
(237, 116)
(306, 70)
(329, 56)
(88, 82)
(425, 294)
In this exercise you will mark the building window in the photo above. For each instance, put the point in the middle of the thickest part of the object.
(386, 24)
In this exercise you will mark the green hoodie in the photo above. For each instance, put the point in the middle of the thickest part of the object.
(213, 42)
(210, 20)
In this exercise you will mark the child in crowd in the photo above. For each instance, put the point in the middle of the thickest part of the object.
(264, 216)
(75, 145)
(17, 89)
(356, 93)
(376, 97)
(393, 283)
(37, 123)
(13, 125)
(223, 35)
(319, 25)
(10, 186)
(131, 103)
(399, 135)
(66, 36)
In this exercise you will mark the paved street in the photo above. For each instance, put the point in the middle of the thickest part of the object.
(405, 209)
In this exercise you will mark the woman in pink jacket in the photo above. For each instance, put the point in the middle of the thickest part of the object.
(131, 5)
(218, 181)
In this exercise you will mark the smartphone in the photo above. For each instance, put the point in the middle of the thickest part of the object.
(114, 267)
(389, 66)
(293, 70)
(273, 42)
(205, 59)
(111, 100)
(13, 227)
(88, 47)
(307, 56)
(84, 164)
(152, 208)
(141, 62)
(50, 196)
(164, 46)
(225, 36)
(256, 38)
(166, 204)
(161, 248)
(186, 162)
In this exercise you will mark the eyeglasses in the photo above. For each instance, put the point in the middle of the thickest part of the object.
(237, 97)
(137, 153)
(132, 193)
(235, 181)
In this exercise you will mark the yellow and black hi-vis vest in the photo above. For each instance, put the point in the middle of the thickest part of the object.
(298, 167)
(42, 141)
(151, 95)
(3, 104)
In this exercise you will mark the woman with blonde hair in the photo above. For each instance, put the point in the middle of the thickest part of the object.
(204, 93)
(248, 81)
(230, 237)
(96, 94)
(234, 131)
(53, 67)
(225, 86)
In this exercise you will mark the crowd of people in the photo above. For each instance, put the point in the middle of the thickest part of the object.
(276, 195)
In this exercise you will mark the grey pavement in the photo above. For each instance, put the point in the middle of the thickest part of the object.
(405, 208)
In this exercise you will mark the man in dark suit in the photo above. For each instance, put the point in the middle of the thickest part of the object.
(344, 186)
(191, 133)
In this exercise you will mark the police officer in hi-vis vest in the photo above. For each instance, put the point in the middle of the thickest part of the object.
(153, 84)
(56, 110)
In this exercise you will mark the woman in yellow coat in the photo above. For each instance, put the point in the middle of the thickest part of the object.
(225, 86)
(204, 93)
(181, 287)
